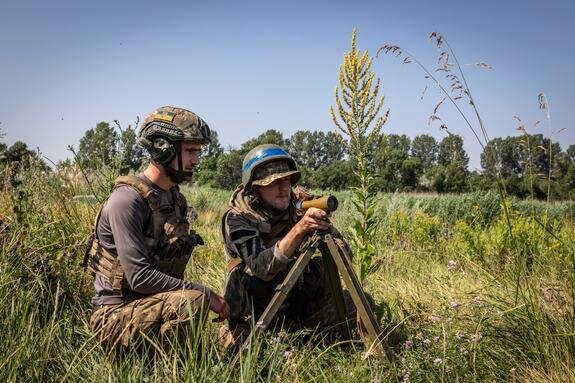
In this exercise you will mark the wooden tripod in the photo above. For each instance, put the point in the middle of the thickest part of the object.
(337, 262)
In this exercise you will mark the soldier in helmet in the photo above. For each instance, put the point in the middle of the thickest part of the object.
(262, 233)
(142, 242)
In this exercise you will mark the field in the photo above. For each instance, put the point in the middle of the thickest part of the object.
(465, 294)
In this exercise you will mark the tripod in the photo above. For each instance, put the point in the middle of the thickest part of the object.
(337, 261)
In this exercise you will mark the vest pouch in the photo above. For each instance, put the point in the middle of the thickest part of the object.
(174, 267)
(175, 248)
(176, 228)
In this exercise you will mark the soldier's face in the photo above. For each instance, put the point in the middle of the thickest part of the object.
(276, 194)
(190, 156)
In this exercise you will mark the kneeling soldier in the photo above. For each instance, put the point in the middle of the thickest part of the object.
(142, 242)
(262, 233)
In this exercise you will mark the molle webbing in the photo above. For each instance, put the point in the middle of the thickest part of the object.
(106, 263)
(147, 194)
(142, 187)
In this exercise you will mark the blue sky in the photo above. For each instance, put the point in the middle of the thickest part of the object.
(246, 67)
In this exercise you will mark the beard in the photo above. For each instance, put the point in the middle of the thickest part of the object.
(274, 206)
(178, 176)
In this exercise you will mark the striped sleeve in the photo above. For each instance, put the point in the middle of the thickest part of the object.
(244, 241)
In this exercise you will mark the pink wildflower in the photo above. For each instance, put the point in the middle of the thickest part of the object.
(475, 338)
(405, 373)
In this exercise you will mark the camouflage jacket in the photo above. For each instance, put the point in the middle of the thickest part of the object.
(251, 235)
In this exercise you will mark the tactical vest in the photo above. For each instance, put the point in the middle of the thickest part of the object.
(246, 294)
(269, 233)
(167, 236)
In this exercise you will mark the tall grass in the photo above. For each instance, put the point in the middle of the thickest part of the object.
(444, 274)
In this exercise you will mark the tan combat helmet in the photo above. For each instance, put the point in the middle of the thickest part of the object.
(164, 129)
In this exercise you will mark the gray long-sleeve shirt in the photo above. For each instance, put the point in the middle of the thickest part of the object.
(121, 227)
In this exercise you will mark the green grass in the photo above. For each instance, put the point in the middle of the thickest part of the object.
(462, 298)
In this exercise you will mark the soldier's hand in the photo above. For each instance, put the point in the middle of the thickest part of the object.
(314, 219)
(302, 193)
(219, 306)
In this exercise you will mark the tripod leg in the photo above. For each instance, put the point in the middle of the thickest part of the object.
(352, 283)
(283, 290)
(281, 294)
(334, 285)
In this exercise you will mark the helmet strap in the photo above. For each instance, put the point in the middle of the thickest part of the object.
(178, 175)
(179, 155)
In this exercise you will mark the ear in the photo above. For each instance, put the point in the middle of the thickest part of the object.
(162, 150)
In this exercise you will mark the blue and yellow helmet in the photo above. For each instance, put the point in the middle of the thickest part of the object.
(266, 163)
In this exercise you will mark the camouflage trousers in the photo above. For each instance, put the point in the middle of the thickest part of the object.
(162, 317)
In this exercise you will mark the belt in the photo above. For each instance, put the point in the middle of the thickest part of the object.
(233, 263)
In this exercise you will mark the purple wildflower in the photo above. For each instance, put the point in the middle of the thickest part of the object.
(454, 304)
(452, 266)
(408, 344)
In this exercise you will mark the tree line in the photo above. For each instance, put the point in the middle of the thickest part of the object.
(529, 165)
